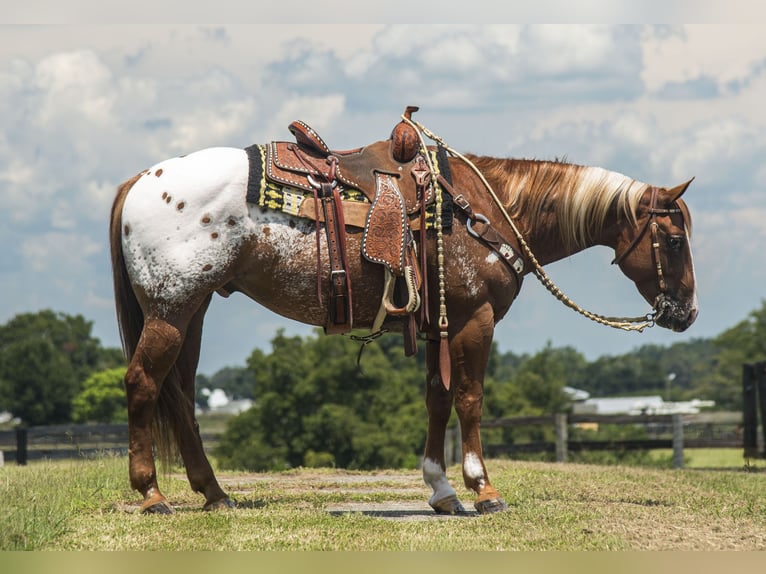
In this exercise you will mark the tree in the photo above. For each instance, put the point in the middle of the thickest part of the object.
(102, 398)
(38, 382)
(44, 357)
(743, 343)
(543, 376)
(314, 405)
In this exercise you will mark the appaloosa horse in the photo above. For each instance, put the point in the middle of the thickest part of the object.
(187, 228)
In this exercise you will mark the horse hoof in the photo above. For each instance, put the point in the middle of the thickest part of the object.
(449, 505)
(158, 508)
(490, 506)
(222, 504)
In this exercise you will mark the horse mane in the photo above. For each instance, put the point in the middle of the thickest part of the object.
(581, 196)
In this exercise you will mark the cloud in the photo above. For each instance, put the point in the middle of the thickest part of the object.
(472, 67)
(74, 83)
(723, 150)
(59, 254)
(324, 111)
(693, 52)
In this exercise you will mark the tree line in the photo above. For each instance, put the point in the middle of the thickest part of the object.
(314, 405)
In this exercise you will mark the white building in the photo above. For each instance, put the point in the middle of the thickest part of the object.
(643, 405)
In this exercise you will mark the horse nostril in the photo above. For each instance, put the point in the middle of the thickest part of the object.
(693, 315)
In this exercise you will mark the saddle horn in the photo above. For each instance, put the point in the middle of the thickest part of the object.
(405, 142)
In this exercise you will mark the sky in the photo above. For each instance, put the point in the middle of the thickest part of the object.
(84, 107)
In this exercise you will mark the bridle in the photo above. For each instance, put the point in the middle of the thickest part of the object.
(661, 302)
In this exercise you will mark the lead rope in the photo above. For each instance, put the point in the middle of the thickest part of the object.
(624, 323)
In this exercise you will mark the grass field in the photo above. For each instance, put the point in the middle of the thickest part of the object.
(713, 458)
(88, 505)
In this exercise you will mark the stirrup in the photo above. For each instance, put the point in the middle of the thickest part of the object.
(387, 306)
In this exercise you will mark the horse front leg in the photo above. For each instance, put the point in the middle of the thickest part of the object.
(439, 403)
(469, 350)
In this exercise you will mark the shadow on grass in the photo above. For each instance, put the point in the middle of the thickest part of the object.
(403, 514)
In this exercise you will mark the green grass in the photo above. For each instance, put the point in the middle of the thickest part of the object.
(712, 458)
(88, 505)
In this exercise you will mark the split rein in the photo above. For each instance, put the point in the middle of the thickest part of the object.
(624, 323)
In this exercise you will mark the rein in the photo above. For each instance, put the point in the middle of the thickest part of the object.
(624, 323)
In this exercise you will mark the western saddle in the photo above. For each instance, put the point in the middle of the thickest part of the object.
(384, 188)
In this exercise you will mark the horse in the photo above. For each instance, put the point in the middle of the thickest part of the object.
(184, 230)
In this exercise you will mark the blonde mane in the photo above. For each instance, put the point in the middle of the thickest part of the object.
(581, 196)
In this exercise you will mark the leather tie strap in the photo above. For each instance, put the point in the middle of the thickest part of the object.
(339, 319)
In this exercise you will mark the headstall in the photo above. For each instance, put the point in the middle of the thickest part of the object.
(661, 302)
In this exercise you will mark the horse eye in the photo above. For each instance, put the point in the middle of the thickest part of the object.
(675, 242)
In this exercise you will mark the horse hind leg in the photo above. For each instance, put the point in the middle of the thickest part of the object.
(198, 470)
(155, 354)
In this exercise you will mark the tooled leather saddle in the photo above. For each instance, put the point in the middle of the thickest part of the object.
(384, 188)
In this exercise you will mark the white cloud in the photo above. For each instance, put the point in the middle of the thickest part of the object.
(62, 255)
(720, 148)
(318, 112)
(726, 54)
(208, 127)
(74, 83)
(558, 49)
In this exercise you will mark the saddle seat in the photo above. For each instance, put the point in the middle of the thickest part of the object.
(297, 164)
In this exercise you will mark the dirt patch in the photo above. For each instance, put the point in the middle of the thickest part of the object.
(406, 489)
(393, 510)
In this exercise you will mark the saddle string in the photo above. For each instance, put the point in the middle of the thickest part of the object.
(365, 340)
(638, 323)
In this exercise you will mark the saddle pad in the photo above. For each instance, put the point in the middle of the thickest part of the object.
(384, 232)
(265, 193)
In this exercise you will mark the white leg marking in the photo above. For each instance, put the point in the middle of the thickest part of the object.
(473, 468)
(436, 478)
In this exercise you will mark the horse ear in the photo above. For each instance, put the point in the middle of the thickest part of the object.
(679, 190)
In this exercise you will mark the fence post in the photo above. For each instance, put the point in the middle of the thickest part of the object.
(452, 446)
(448, 437)
(760, 377)
(749, 412)
(562, 436)
(678, 441)
(21, 446)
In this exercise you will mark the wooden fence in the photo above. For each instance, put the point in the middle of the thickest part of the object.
(69, 441)
(676, 432)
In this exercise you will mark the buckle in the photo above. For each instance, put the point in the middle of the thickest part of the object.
(461, 202)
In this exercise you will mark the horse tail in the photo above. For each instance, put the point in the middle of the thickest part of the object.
(169, 419)
(130, 317)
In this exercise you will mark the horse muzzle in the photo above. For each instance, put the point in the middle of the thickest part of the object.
(673, 314)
